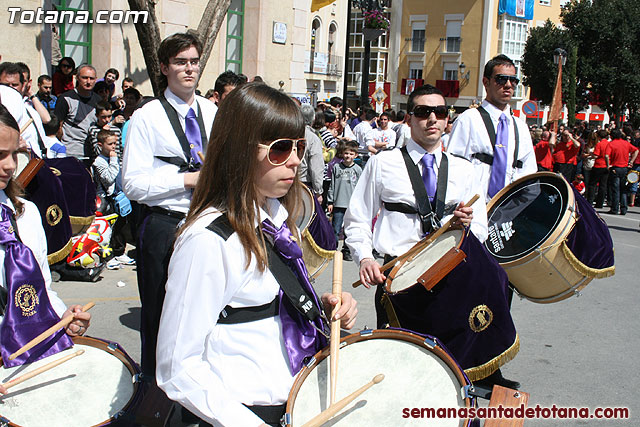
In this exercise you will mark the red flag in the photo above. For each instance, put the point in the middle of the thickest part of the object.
(556, 104)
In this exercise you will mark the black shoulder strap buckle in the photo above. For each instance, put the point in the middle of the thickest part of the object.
(172, 114)
(486, 118)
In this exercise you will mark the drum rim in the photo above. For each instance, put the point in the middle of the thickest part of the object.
(563, 226)
(398, 265)
(440, 351)
(637, 175)
(103, 345)
(306, 194)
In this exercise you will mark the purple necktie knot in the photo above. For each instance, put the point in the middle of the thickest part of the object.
(283, 240)
(7, 233)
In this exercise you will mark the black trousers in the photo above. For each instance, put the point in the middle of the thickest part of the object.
(157, 235)
(599, 178)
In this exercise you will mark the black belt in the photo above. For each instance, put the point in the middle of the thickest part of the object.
(167, 212)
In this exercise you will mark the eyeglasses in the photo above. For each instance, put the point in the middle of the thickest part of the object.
(424, 111)
(280, 150)
(501, 79)
(182, 63)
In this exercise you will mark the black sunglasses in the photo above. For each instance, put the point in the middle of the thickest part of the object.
(424, 111)
(501, 79)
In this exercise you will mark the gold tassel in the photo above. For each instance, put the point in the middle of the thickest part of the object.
(320, 251)
(585, 270)
(61, 254)
(479, 372)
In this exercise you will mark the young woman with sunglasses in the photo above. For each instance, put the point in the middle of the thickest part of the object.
(63, 77)
(220, 360)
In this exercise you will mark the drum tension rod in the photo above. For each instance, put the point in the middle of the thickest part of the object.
(480, 391)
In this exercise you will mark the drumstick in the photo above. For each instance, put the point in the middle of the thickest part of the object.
(26, 125)
(422, 243)
(40, 370)
(335, 324)
(332, 410)
(46, 334)
(201, 156)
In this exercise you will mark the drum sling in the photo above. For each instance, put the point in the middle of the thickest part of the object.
(189, 165)
(429, 219)
(488, 158)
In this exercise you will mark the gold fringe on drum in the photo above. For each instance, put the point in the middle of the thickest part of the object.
(483, 371)
(61, 254)
(80, 224)
(585, 270)
(315, 258)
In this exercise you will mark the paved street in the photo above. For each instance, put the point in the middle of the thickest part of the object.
(579, 352)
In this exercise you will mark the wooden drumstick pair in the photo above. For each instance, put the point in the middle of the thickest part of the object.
(40, 370)
(46, 334)
(423, 243)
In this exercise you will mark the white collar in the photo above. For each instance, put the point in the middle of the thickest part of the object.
(4, 199)
(181, 107)
(417, 152)
(494, 111)
(276, 212)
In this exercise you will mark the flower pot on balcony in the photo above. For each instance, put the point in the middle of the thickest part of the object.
(372, 33)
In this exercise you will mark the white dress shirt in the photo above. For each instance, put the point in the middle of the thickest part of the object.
(360, 131)
(388, 136)
(14, 102)
(469, 135)
(147, 179)
(32, 235)
(385, 178)
(213, 369)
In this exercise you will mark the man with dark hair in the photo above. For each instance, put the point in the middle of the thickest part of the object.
(362, 129)
(166, 139)
(335, 102)
(382, 137)
(497, 144)
(111, 76)
(620, 155)
(76, 110)
(44, 93)
(406, 189)
(225, 83)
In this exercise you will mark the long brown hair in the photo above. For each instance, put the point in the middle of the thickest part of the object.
(13, 190)
(251, 114)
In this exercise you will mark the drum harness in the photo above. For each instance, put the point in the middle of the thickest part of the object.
(488, 158)
(429, 219)
(285, 278)
(4, 293)
(188, 165)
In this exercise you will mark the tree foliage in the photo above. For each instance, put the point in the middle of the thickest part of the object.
(537, 62)
(607, 35)
(149, 34)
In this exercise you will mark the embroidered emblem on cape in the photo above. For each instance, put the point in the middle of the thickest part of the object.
(480, 318)
(26, 299)
(53, 215)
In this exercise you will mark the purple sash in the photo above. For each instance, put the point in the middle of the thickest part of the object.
(28, 312)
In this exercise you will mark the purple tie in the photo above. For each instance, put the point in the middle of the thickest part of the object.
(192, 131)
(301, 338)
(28, 312)
(429, 175)
(499, 167)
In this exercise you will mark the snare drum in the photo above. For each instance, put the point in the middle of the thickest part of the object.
(94, 388)
(633, 176)
(318, 240)
(428, 266)
(418, 373)
(547, 237)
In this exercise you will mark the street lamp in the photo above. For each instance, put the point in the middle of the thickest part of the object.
(559, 53)
(464, 76)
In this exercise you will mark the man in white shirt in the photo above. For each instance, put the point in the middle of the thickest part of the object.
(470, 138)
(362, 129)
(161, 162)
(382, 137)
(386, 190)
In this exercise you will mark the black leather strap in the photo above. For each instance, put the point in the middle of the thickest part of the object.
(422, 199)
(43, 148)
(172, 114)
(488, 123)
(288, 282)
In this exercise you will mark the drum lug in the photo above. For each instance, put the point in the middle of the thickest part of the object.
(285, 420)
(366, 332)
(465, 392)
(577, 293)
(311, 362)
(4, 422)
(137, 378)
(431, 343)
(112, 346)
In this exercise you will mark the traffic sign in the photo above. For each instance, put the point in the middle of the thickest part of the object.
(530, 108)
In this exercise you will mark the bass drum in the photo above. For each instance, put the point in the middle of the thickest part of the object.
(318, 240)
(418, 373)
(537, 226)
(95, 388)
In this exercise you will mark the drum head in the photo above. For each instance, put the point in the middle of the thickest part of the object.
(84, 391)
(409, 272)
(523, 215)
(415, 377)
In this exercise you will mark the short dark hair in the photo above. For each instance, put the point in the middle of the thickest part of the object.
(11, 68)
(101, 85)
(386, 114)
(24, 68)
(128, 80)
(103, 106)
(104, 134)
(400, 115)
(423, 90)
(335, 101)
(616, 133)
(44, 78)
(52, 126)
(369, 114)
(70, 61)
(329, 116)
(173, 45)
(228, 78)
(132, 91)
(602, 134)
(494, 62)
(112, 71)
(351, 145)
(318, 121)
